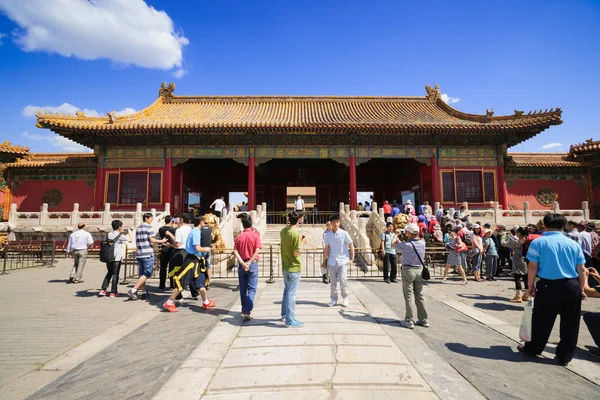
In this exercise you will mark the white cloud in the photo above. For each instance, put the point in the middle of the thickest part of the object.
(554, 145)
(57, 142)
(2, 35)
(124, 31)
(449, 100)
(30, 110)
(180, 73)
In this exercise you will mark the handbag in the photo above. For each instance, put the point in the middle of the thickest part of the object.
(462, 249)
(425, 274)
(525, 330)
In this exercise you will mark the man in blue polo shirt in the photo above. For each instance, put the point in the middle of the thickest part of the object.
(559, 263)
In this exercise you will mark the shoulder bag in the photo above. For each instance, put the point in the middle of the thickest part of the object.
(425, 274)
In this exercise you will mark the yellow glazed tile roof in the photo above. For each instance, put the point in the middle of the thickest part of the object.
(300, 113)
(543, 160)
(55, 160)
(7, 148)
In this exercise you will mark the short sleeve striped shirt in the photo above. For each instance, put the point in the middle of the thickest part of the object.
(142, 241)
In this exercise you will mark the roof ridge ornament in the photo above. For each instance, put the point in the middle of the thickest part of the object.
(80, 114)
(166, 91)
(489, 113)
(112, 118)
(433, 94)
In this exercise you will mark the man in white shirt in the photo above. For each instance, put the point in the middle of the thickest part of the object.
(299, 204)
(219, 205)
(337, 254)
(79, 242)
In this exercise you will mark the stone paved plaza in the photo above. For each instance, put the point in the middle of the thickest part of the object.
(62, 341)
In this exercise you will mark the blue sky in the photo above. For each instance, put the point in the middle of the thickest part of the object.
(112, 54)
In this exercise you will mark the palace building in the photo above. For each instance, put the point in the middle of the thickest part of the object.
(263, 145)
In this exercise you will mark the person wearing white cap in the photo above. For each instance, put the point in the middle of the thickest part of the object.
(413, 254)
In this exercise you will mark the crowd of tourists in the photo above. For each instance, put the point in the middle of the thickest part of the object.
(555, 260)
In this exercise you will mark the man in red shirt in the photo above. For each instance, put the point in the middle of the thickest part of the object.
(246, 248)
(387, 210)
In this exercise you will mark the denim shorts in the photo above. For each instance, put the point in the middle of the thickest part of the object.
(206, 255)
(146, 266)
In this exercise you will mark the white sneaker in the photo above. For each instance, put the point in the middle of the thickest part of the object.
(345, 302)
(332, 303)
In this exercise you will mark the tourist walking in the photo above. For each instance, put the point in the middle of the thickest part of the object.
(167, 250)
(519, 267)
(191, 275)
(206, 242)
(389, 238)
(299, 204)
(119, 238)
(179, 253)
(559, 263)
(413, 254)
(79, 242)
(592, 319)
(572, 232)
(491, 255)
(219, 205)
(144, 239)
(387, 210)
(324, 271)
(339, 252)
(291, 244)
(455, 248)
(245, 249)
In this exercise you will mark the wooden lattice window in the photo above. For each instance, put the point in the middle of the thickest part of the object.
(489, 186)
(134, 187)
(154, 188)
(112, 188)
(447, 187)
(469, 187)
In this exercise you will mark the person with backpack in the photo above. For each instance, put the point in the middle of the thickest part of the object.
(111, 252)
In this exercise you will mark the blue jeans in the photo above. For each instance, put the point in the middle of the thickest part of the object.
(476, 262)
(288, 303)
(146, 266)
(248, 282)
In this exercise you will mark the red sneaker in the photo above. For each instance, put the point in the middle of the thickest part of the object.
(209, 305)
(102, 293)
(170, 307)
(112, 295)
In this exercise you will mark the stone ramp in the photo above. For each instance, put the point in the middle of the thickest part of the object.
(339, 352)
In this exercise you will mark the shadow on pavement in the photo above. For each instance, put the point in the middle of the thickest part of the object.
(306, 303)
(498, 306)
(504, 353)
(482, 297)
(59, 281)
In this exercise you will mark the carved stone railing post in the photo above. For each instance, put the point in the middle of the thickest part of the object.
(167, 209)
(497, 212)
(381, 214)
(347, 209)
(374, 207)
(342, 208)
(585, 210)
(137, 218)
(12, 214)
(43, 214)
(354, 216)
(264, 206)
(253, 216)
(436, 206)
(106, 218)
(526, 212)
(75, 214)
(555, 207)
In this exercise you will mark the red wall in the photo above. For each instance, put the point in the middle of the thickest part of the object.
(570, 194)
(28, 196)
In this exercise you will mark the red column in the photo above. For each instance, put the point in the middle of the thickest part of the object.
(353, 193)
(168, 182)
(251, 185)
(7, 195)
(590, 187)
(435, 181)
(181, 189)
(502, 194)
(99, 192)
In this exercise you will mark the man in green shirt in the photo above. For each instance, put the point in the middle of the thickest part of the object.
(291, 244)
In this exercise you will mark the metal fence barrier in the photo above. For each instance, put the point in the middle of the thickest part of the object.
(21, 254)
(224, 265)
(309, 217)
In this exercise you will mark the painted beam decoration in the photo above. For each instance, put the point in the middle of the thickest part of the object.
(467, 157)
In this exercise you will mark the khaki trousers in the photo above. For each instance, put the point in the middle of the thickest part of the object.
(79, 259)
(412, 285)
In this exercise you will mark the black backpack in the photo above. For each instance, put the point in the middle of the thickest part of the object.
(107, 249)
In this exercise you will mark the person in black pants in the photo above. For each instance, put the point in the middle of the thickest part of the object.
(559, 263)
(390, 260)
(120, 239)
(592, 319)
(167, 250)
